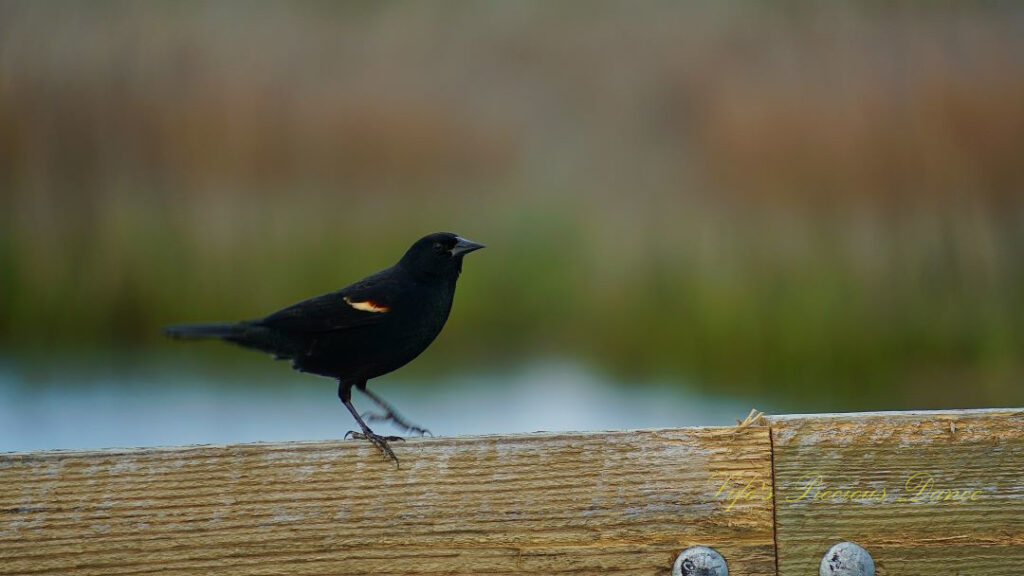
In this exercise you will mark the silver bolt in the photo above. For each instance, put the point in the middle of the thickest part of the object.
(846, 559)
(699, 561)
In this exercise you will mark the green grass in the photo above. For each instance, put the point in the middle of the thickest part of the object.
(749, 197)
(752, 318)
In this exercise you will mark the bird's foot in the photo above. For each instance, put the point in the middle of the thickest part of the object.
(419, 431)
(381, 442)
(399, 421)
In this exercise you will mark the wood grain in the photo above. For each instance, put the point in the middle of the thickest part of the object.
(599, 503)
(906, 532)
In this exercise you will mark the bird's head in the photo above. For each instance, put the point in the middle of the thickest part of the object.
(438, 255)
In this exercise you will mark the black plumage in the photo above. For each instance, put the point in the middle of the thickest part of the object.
(365, 330)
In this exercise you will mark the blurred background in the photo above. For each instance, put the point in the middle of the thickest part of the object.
(691, 209)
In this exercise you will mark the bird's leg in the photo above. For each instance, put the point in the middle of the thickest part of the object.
(381, 442)
(390, 414)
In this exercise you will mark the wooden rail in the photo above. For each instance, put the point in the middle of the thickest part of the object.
(924, 493)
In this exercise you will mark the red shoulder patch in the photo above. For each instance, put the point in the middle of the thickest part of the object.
(366, 305)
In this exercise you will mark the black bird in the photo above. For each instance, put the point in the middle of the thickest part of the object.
(362, 331)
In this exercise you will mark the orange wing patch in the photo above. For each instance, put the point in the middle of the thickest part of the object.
(367, 306)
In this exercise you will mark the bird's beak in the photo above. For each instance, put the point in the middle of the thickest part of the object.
(463, 246)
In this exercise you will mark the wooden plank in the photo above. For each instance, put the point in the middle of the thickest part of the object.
(608, 503)
(979, 453)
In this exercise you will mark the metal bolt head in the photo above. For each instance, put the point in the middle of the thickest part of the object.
(699, 561)
(846, 559)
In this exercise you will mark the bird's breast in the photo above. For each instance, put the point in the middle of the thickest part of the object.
(408, 329)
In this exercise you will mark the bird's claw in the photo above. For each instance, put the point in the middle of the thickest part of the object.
(363, 436)
(381, 442)
(419, 431)
(372, 437)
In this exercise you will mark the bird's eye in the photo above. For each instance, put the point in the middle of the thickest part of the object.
(438, 247)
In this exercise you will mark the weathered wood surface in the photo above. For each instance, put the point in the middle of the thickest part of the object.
(978, 453)
(600, 503)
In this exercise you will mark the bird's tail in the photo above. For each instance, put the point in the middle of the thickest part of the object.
(214, 330)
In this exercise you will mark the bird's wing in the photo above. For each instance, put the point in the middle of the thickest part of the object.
(366, 302)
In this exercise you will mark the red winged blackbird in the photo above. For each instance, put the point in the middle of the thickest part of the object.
(362, 331)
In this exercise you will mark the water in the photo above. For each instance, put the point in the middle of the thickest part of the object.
(159, 408)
